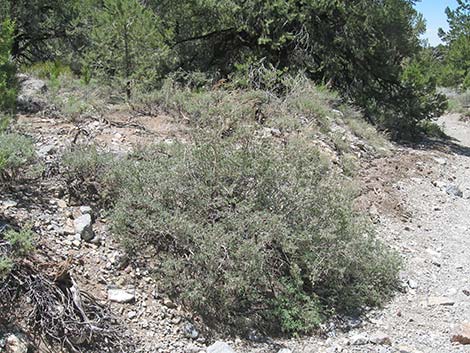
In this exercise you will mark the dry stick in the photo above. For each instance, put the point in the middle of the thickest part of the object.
(62, 315)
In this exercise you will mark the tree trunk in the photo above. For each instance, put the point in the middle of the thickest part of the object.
(127, 62)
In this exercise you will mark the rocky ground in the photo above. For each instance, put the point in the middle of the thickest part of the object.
(419, 198)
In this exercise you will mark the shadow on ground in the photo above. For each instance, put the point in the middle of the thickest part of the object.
(447, 144)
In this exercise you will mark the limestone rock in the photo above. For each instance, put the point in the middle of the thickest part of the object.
(406, 349)
(86, 210)
(83, 227)
(220, 347)
(453, 190)
(29, 100)
(439, 301)
(121, 295)
(359, 340)
(190, 331)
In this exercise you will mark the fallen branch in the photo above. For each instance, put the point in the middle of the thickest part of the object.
(61, 315)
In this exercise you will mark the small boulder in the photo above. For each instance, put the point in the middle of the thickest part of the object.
(83, 227)
(220, 347)
(441, 161)
(406, 349)
(453, 190)
(86, 210)
(131, 315)
(30, 98)
(169, 303)
(189, 331)
(284, 350)
(381, 338)
(462, 334)
(412, 284)
(8, 204)
(358, 340)
(46, 150)
(121, 295)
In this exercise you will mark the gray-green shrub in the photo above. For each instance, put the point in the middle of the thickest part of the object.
(249, 232)
(13, 246)
(16, 151)
(84, 170)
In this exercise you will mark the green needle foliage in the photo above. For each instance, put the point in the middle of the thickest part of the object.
(457, 39)
(8, 89)
(358, 47)
(126, 44)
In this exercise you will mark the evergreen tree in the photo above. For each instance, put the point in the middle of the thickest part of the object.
(359, 47)
(7, 69)
(42, 27)
(457, 39)
(126, 44)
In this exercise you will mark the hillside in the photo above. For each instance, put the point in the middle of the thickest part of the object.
(204, 176)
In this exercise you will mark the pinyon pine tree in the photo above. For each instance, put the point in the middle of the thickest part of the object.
(458, 41)
(7, 69)
(127, 44)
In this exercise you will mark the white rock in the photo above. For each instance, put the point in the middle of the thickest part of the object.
(83, 227)
(359, 340)
(220, 347)
(46, 150)
(85, 210)
(285, 350)
(441, 161)
(29, 99)
(9, 204)
(190, 331)
(131, 314)
(454, 190)
(120, 295)
(439, 301)
(406, 349)
(412, 284)
(61, 203)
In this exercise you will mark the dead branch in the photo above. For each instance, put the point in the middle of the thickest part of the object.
(61, 315)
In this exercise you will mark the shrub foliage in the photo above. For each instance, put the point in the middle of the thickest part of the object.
(251, 233)
(14, 245)
(15, 152)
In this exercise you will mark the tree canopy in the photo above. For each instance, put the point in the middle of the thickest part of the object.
(457, 39)
(359, 47)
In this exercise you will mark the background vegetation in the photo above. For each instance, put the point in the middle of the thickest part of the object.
(360, 48)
